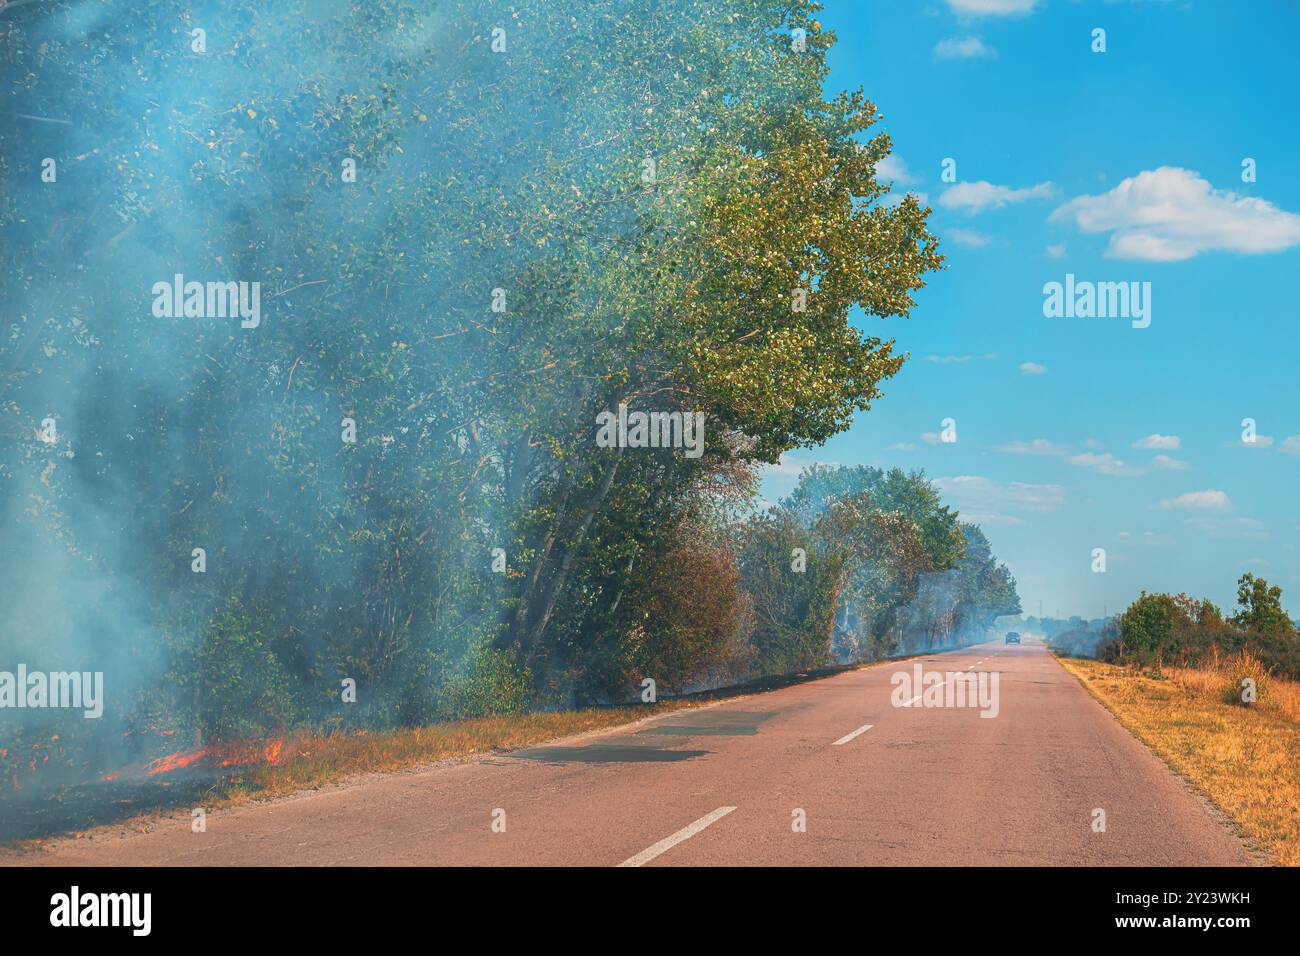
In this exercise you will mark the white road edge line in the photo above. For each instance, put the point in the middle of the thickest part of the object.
(685, 833)
(847, 737)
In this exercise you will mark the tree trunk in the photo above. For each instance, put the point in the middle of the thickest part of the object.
(556, 584)
(514, 636)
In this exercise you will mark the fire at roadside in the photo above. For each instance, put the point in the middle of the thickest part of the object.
(36, 800)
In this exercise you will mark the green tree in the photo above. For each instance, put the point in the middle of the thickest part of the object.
(910, 495)
(1150, 626)
(1259, 606)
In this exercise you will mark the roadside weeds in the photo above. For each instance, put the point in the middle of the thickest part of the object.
(1246, 760)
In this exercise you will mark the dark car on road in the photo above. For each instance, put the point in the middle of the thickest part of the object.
(1013, 637)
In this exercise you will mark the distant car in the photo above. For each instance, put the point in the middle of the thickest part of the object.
(1013, 637)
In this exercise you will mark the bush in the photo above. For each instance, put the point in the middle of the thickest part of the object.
(1148, 627)
(692, 618)
(493, 686)
(241, 690)
(1242, 667)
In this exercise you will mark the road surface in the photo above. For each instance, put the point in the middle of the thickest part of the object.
(877, 784)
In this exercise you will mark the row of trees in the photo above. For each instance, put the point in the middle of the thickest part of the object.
(1177, 629)
(475, 228)
(892, 571)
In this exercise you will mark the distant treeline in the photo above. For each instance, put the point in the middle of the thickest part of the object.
(1180, 630)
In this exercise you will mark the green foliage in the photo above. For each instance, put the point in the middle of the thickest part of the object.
(1259, 606)
(794, 611)
(476, 171)
(1182, 630)
(493, 687)
(689, 621)
(1149, 626)
(910, 495)
(240, 687)
(890, 569)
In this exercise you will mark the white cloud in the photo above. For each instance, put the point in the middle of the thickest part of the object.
(892, 167)
(894, 198)
(950, 359)
(1033, 368)
(1169, 464)
(963, 48)
(1104, 463)
(1162, 442)
(1056, 250)
(976, 494)
(1170, 214)
(991, 520)
(992, 8)
(1290, 445)
(1039, 446)
(1261, 441)
(901, 446)
(1249, 529)
(930, 438)
(1154, 539)
(1151, 539)
(978, 196)
(969, 238)
(1199, 501)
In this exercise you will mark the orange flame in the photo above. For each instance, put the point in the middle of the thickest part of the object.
(219, 755)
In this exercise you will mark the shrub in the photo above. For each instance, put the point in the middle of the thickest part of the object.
(1242, 667)
(492, 686)
(241, 689)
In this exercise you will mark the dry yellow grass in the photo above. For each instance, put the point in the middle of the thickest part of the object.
(304, 762)
(1245, 759)
(1283, 698)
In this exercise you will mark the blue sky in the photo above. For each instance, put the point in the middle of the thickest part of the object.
(1123, 166)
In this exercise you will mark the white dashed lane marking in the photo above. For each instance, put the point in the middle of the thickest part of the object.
(847, 737)
(685, 833)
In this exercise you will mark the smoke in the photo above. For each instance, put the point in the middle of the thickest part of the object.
(194, 522)
(143, 142)
(1077, 637)
(468, 230)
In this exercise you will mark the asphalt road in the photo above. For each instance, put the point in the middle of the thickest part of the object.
(877, 784)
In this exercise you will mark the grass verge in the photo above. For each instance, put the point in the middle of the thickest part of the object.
(1245, 759)
(311, 761)
(304, 762)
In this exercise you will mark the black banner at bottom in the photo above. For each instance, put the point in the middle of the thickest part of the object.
(372, 905)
